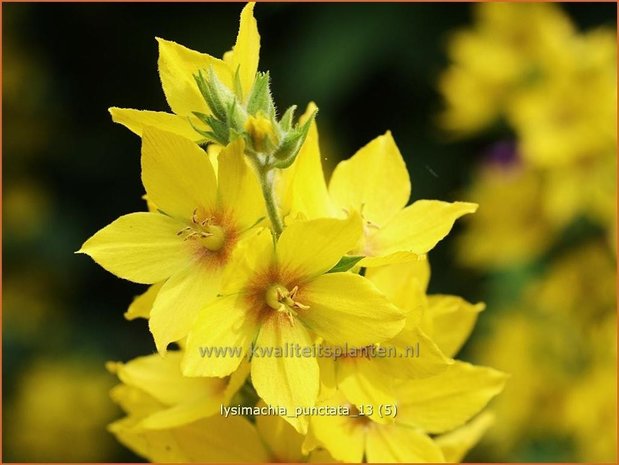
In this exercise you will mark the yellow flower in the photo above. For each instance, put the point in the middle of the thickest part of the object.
(374, 183)
(189, 241)
(436, 327)
(364, 379)
(555, 89)
(591, 403)
(567, 321)
(211, 439)
(433, 405)
(177, 66)
(509, 47)
(284, 443)
(183, 400)
(422, 404)
(569, 117)
(280, 296)
(172, 418)
(446, 319)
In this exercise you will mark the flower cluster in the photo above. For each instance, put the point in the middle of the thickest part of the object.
(549, 220)
(555, 89)
(247, 250)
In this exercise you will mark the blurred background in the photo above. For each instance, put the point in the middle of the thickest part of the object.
(511, 106)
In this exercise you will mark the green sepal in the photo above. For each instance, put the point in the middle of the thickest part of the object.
(215, 93)
(346, 263)
(219, 130)
(210, 136)
(260, 98)
(286, 122)
(287, 151)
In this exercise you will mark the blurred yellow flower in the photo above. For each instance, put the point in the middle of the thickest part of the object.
(556, 90)
(43, 414)
(511, 227)
(559, 344)
(507, 51)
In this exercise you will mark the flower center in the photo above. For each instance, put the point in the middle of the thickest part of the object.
(204, 230)
(282, 300)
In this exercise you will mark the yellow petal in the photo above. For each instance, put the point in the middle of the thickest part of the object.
(457, 443)
(328, 382)
(137, 120)
(177, 174)
(193, 398)
(341, 435)
(447, 400)
(159, 377)
(453, 319)
(133, 400)
(220, 337)
(394, 444)
(252, 256)
(281, 438)
(363, 382)
(183, 413)
(346, 308)
(306, 192)
(374, 180)
(404, 284)
(394, 280)
(287, 381)
(420, 356)
(309, 248)
(180, 300)
(321, 456)
(214, 439)
(236, 380)
(239, 190)
(177, 66)
(188, 399)
(211, 395)
(246, 51)
(141, 247)
(143, 304)
(419, 227)
(391, 259)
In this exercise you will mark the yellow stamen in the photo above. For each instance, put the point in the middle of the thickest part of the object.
(210, 235)
(280, 299)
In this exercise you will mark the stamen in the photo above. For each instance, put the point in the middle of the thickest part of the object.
(281, 300)
(209, 234)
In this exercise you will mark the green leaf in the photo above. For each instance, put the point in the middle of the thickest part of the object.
(346, 263)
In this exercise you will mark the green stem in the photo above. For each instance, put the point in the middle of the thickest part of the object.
(269, 199)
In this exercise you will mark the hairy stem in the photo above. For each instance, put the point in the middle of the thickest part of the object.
(266, 182)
